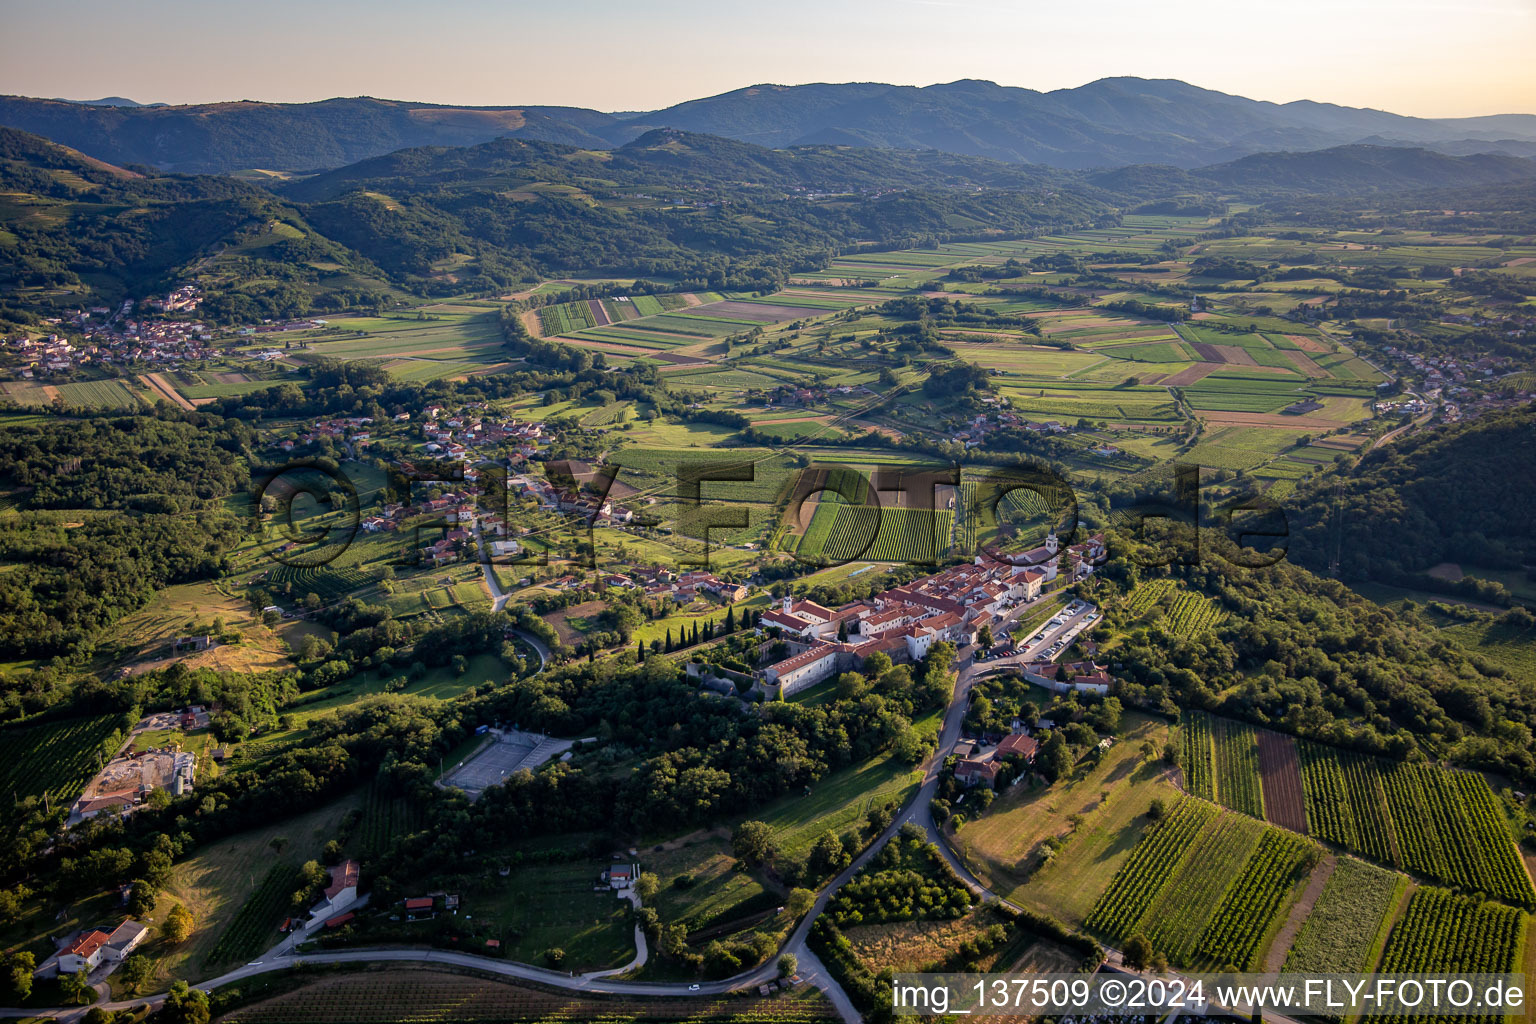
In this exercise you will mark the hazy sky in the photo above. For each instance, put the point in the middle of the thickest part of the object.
(1425, 57)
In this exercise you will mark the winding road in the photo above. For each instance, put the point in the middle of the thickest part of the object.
(918, 810)
(499, 599)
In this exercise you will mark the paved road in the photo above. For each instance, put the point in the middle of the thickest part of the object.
(499, 599)
(811, 968)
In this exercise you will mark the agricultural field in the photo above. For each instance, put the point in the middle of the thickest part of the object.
(1343, 932)
(404, 992)
(1345, 802)
(840, 801)
(1237, 933)
(254, 928)
(1010, 846)
(857, 532)
(217, 883)
(1440, 824)
(386, 817)
(553, 905)
(411, 345)
(1507, 645)
(1146, 595)
(55, 759)
(101, 394)
(1280, 775)
(1443, 933)
(1151, 867)
(1190, 614)
(1175, 920)
(1181, 612)
(1197, 755)
(1206, 887)
(330, 583)
(700, 884)
(1237, 766)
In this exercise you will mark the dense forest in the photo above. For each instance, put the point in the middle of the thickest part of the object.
(1451, 493)
(145, 500)
(1309, 656)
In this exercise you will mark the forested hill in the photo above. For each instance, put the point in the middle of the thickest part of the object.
(1346, 169)
(222, 137)
(1455, 493)
(691, 207)
(677, 159)
(1295, 651)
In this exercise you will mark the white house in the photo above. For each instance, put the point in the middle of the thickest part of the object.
(340, 894)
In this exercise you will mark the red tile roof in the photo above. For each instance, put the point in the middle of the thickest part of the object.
(343, 876)
(1018, 743)
(88, 943)
(419, 903)
(972, 768)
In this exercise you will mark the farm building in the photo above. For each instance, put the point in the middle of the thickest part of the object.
(340, 894)
(94, 947)
(977, 771)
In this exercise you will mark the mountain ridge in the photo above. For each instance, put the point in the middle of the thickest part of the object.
(1106, 123)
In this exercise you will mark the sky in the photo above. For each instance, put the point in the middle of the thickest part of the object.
(1432, 58)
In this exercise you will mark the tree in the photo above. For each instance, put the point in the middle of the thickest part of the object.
(1138, 952)
(11, 901)
(20, 968)
(142, 898)
(75, 986)
(752, 842)
(136, 971)
(184, 1005)
(788, 965)
(555, 955)
(828, 856)
(910, 746)
(1156, 810)
(799, 902)
(1106, 716)
(178, 924)
(1054, 759)
(877, 665)
(647, 885)
(984, 637)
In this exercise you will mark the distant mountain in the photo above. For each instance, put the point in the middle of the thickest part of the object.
(221, 137)
(109, 101)
(1354, 169)
(1109, 123)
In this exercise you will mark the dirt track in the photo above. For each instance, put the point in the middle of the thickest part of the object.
(157, 384)
(1305, 364)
